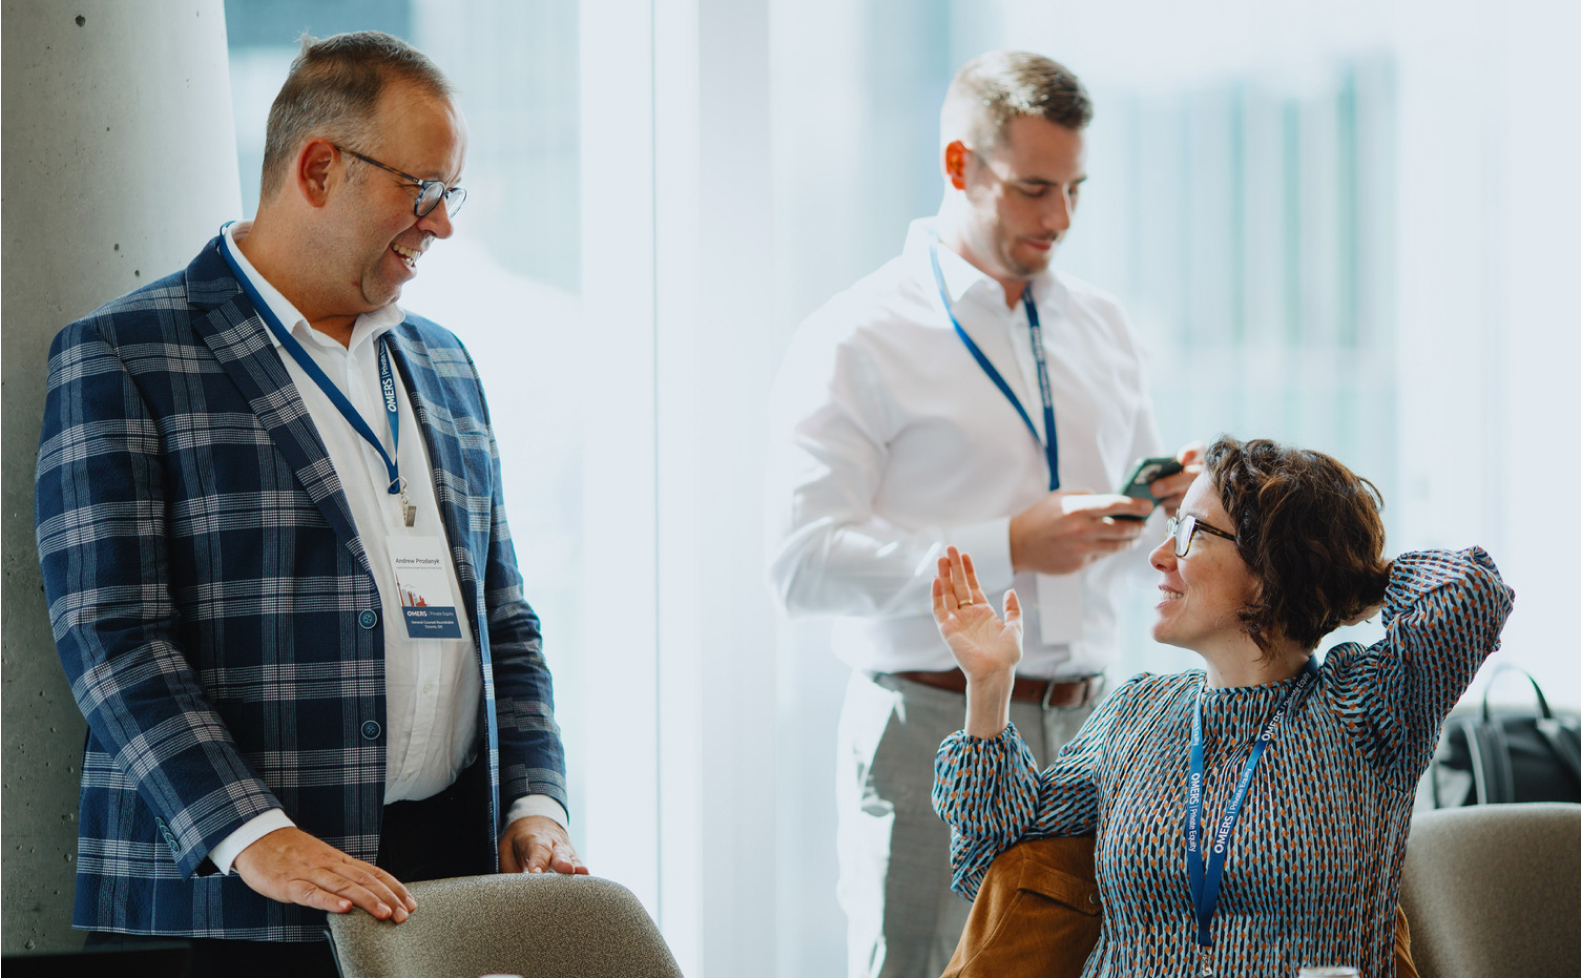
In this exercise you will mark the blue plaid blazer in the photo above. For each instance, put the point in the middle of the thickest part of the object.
(214, 609)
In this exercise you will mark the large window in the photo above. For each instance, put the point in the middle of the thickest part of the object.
(1244, 218)
(1301, 212)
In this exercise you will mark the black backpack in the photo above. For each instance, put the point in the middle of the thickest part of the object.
(1501, 757)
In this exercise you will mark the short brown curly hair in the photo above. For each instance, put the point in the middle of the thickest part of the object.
(1310, 531)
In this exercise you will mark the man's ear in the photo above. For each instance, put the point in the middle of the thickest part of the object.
(955, 164)
(317, 164)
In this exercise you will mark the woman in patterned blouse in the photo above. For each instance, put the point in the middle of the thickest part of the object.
(1273, 548)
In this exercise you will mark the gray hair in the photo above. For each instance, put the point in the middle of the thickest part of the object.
(333, 90)
(995, 88)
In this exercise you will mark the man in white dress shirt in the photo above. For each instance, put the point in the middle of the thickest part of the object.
(912, 413)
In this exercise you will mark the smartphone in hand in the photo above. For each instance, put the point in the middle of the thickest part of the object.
(1143, 475)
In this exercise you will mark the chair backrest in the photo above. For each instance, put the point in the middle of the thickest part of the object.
(539, 925)
(1495, 890)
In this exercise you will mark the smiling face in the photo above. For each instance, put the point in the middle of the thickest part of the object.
(1203, 592)
(381, 239)
(1022, 195)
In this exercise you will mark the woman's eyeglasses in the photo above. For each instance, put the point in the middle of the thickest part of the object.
(1184, 530)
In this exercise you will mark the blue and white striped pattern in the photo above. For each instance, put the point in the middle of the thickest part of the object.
(1313, 875)
(210, 601)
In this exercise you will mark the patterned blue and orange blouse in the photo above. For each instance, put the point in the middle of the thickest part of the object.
(1313, 873)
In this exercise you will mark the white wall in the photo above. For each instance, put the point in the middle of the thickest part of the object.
(620, 614)
(1538, 467)
(715, 357)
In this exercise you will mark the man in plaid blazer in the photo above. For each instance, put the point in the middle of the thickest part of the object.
(213, 556)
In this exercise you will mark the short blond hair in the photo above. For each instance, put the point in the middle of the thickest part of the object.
(995, 88)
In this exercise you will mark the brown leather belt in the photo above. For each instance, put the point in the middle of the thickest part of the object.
(1049, 692)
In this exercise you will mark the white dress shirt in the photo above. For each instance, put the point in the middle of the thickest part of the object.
(892, 443)
(433, 687)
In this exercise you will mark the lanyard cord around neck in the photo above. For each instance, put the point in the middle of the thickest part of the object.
(392, 401)
(1051, 445)
(1205, 879)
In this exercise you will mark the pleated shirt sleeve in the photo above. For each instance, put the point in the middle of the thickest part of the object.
(993, 795)
(1442, 612)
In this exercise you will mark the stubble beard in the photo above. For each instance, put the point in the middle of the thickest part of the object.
(379, 301)
(377, 290)
(1022, 269)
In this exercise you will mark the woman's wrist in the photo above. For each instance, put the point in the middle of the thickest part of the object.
(988, 704)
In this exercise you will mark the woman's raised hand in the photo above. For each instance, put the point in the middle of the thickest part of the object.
(985, 646)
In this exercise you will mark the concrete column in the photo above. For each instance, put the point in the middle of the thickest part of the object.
(120, 161)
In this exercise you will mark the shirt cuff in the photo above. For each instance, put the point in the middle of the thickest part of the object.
(227, 849)
(538, 805)
(989, 544)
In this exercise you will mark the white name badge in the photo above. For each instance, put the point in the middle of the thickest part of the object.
(1059, 609)
(422, 579)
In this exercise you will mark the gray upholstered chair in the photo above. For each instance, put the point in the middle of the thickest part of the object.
(541, 926)
(1495, 890)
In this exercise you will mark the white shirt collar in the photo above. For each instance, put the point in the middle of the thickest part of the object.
(368, 326)
(963, 280)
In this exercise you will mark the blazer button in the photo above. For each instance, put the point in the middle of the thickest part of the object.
(368, 618)
(371, 729)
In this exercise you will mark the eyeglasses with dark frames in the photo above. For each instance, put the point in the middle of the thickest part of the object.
(1185, 530)
(429, 192)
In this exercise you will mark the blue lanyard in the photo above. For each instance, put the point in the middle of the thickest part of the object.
(392, 402)
(1205, 880)
(1051, 447)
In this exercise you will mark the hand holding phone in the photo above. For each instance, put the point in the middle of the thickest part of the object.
(1146, 472)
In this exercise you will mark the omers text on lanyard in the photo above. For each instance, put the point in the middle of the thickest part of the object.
(392, 401)
(1205, 879)
(1051, 446)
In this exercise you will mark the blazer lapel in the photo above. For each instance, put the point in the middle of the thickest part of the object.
(435, 410)
(436, 407)
(240, 342)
